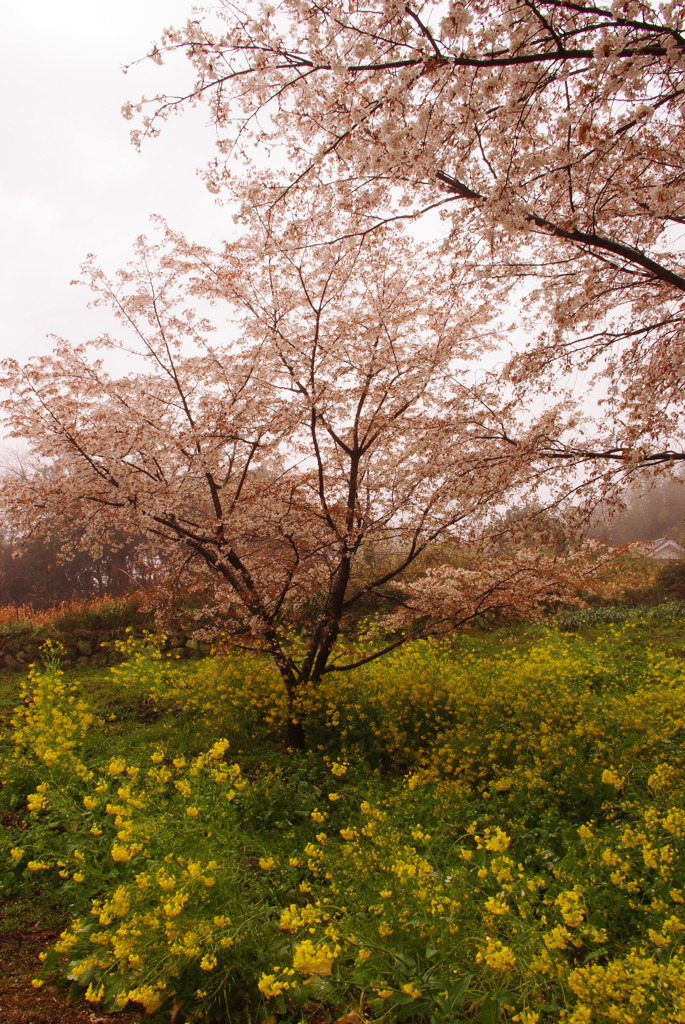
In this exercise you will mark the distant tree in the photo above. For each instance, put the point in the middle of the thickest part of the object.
(534, 525)
(42, 559)
(549, 133)
(650, 508)
(671, 580)
(39, 575)
(336, 414)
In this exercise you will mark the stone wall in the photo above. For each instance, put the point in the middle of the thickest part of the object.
(82, 647)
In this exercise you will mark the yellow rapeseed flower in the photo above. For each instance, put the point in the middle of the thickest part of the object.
(496, 955)
(311, 959)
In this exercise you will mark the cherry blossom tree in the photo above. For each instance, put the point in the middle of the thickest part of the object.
(327, 408)
(548, 133)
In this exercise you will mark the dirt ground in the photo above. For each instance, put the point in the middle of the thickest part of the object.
(21, 1003)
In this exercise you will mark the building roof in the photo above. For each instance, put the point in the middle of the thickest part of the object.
(664, 547)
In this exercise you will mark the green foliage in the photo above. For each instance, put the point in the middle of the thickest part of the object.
(576, 618)
(671, 580)
(480, 831)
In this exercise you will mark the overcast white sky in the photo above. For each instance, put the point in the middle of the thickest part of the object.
(70, 181)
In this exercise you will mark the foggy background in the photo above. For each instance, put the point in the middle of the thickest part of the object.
(70, 181)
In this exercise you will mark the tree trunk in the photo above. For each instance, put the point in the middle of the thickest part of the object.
(294, 734)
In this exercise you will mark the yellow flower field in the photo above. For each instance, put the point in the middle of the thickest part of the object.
(480, 830)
